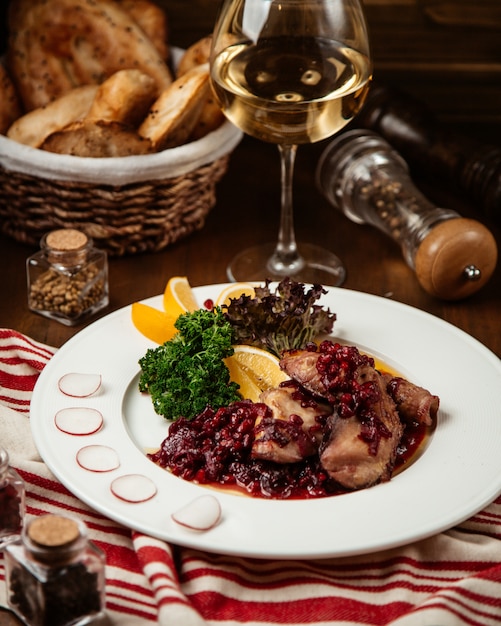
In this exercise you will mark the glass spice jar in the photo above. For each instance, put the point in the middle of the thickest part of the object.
(367, 180)
(12, 497)
(68, 277)
(54, 574)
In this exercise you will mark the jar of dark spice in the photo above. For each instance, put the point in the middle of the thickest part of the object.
(369, 181)
(12, 495)
(68, 277)
(54, 574)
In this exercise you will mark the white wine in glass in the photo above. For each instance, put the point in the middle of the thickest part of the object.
(290, 72)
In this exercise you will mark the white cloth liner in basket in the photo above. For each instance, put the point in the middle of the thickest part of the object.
(120, 170)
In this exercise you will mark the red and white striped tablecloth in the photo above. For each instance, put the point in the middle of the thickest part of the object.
(451, 579)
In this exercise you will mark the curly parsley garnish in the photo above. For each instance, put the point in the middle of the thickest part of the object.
(187, 373)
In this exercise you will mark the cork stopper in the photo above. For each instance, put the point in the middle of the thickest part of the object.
(66, 246)
(53, 531)
(456, 259)
(66, 239)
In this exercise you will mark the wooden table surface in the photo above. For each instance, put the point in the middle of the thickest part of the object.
(246, 212)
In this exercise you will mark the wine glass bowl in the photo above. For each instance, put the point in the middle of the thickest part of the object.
(290, 72)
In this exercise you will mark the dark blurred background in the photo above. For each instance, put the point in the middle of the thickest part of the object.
(447, 53)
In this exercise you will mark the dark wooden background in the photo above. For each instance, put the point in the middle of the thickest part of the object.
(445, 52)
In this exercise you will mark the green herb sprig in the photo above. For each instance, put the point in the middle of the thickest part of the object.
(188, 373)
(283, 319)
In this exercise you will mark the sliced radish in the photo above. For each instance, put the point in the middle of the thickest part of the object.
(78, 420)
(203, 513)
(79, 385)
(133, 488)
(97, 458)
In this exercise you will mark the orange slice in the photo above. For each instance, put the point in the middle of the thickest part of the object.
(248, 388)
(152, 323)
(259, 366)
(178, 297)
(234, 291)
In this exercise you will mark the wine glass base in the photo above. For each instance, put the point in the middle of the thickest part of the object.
(319, 266)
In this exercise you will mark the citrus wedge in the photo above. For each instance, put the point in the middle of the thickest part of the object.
(259, 366)
(178, 297)
(152, 323)
(234, 291)
(248, 388)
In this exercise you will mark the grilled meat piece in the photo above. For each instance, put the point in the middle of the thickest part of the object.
(295, 430)
(414, 403)
(361, 439)
(360, 451)
(301, 366)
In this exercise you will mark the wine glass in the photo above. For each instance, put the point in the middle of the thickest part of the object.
(290, 72)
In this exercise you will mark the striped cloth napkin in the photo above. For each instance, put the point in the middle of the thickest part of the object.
(451, 579)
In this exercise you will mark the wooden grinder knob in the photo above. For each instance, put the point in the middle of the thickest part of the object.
(456, 259)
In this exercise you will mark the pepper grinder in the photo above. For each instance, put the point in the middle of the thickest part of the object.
(436, 151)
(368, 180)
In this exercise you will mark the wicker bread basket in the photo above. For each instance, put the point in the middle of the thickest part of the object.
(127, 204)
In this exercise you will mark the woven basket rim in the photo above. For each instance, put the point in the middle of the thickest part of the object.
(171, 163)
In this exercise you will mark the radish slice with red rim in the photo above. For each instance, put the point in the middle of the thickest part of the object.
(98, 458)
(133, 488)
(79, 385)
(203, 513)
(78, 420)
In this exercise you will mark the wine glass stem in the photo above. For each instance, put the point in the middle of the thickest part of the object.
(286, 259)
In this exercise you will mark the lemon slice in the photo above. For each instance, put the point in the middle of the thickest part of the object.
(152, 323)
(178, 297)
(259, 366)
(234, 291)
(248, 388)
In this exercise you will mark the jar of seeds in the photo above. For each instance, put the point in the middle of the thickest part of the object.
(365, 178)
(12, 496)
(68, 277)
(54, 574)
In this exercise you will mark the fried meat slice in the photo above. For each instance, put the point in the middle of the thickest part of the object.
(295, 429)
(414, 403)
(362, 435)
(360, 451)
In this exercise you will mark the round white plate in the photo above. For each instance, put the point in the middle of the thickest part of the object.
(458, 474)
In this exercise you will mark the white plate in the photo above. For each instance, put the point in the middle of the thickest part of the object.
(458, 474)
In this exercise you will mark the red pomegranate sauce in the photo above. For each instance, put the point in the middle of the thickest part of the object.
(214, 448)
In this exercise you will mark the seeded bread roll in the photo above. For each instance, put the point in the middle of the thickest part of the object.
(32, 128)
(196, 54)
(124, 97)
(10, 107)
(153, 20)
(56, 45)
(97, 139)
(211, 116)
(173, 116)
